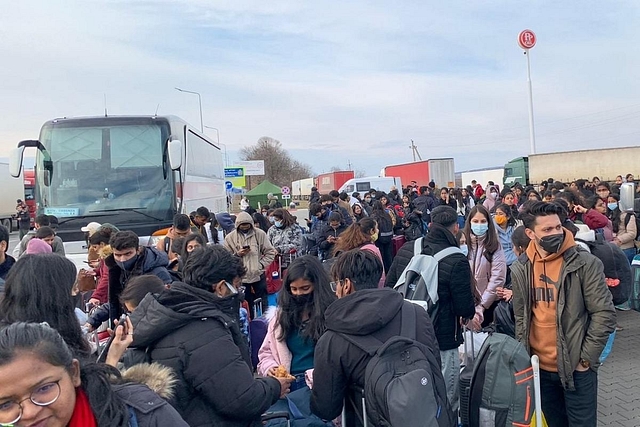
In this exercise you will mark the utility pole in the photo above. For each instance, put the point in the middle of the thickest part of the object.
(414, 150)
(348, 165)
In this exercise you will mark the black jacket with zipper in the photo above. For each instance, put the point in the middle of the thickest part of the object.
(339, 364)
(454, 284)
(196, 334)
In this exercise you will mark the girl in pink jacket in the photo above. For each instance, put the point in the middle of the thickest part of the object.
(487, 261)
(298, 322)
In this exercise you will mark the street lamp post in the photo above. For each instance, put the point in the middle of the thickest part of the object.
(226, 158)
(200, 103)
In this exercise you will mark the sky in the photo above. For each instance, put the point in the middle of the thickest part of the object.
(337, 83)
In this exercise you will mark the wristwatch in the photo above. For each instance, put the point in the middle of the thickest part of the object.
(585, 363)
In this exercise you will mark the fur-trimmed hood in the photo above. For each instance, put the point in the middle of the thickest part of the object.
(159, 378)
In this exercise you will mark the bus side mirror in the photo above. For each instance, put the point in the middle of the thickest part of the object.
(174, 150)
(15, 162)
(627, 194)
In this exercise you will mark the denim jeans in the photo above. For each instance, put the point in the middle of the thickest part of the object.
(564, 408)
(450, 364)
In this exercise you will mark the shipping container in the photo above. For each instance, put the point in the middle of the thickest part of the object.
(333, 180)
(441, 171)
(569, 166)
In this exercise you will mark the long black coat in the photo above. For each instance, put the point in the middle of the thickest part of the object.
(454, 284)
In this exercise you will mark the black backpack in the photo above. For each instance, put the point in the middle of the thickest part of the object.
(400, 387)
(616, 268)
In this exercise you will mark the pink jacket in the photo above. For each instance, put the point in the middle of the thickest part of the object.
(274, 352)
(489, 275)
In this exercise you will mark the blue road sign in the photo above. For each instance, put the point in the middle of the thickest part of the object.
(228, 185)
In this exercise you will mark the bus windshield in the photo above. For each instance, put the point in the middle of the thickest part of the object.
(84, 169)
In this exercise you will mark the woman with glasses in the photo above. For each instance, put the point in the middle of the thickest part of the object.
(43, 384)
(298, 323)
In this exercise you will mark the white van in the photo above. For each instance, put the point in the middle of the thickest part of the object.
(363, 185)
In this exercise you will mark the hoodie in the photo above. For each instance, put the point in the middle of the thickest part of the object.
(340, 364)
(6, 266)
(490, 202)
(195, 333)
(544, 294)
(262, 253)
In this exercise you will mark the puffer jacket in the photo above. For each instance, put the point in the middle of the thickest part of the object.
(196, 334)
(454, 284)
(262, 252)
(585, 314)
(286, 239)
(505, 242)
(627, 233)
(324, 244)
(144, 388)
(489, 275)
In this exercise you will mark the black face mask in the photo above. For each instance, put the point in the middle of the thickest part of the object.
(302, 299)
(552, 244)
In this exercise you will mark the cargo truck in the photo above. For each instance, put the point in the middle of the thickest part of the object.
(482, 177)
(301, 189)
(440, 171)
(569, 166)
(333, 180)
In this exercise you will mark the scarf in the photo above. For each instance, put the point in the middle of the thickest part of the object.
(82, 413)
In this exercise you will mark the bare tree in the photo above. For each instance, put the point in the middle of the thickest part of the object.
(279, 167)
(360, 173)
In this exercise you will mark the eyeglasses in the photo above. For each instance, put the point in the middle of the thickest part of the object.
(334, 285)
(45, 395)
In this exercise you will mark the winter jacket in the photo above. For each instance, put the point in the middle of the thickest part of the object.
(339, 364)
(425, 204)
(286, 239)
(478, 192)
(454, 284)
(7, 264)
(346, 218)
(324, 244)
(144, 389)
(347, 207)
(490, 202)
(626, 234)
(262, 253)
(314, 197)
(102, 288)
(274, 352)
(505, 242)
(150, 261)
(584, 311)
(452, 202)
(196, 334)
(489, 275)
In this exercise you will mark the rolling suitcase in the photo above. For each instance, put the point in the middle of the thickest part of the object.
(396, 244)
(257, 332)
(466, 375)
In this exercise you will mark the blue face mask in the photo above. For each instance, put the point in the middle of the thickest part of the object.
(464, 249)
(277, 223)
(479, 229)
(272, 219)
(612, 206)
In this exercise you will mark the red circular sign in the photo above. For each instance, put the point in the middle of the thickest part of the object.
(527, 39)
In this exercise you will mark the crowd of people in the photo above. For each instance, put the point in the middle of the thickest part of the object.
(180, 312)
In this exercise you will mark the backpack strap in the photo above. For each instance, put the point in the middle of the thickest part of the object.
(408, 325)
(417, 246)
(439, 256)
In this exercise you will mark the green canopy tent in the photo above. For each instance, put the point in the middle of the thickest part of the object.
(259, 194)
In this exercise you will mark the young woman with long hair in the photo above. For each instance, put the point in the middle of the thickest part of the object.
(298, 322)
(363, 234)
(487, 261)
(624, 226)
(285, 235)
(385, 236)
(38, 289)
(44, 383)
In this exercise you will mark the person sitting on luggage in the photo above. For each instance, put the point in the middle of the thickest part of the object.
(361, 310)
(298, 323)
